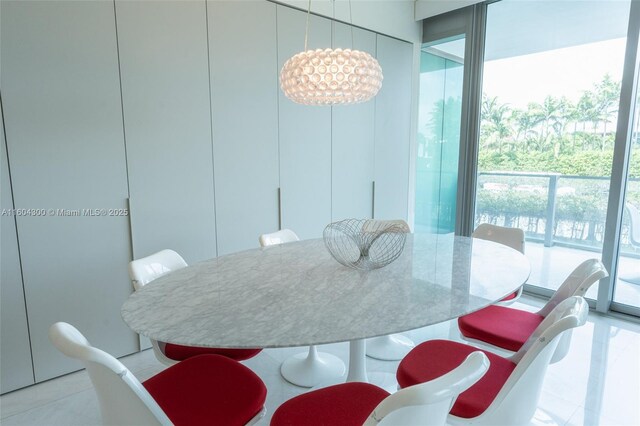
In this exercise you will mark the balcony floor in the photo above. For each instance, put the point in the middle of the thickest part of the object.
(551, 265)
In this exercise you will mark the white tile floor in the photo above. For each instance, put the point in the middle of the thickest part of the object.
(598, 383)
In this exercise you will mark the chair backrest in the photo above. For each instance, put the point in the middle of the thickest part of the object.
(143, 271)
(123, 400)
(373, 225)
(511, 237)
(576, 284)
(429, 403)
(278, 237)
(634, 224)
(518, 399)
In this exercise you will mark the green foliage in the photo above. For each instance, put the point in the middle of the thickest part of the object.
(581, 163)
(554, 136)
(511, 202)
(581, 208)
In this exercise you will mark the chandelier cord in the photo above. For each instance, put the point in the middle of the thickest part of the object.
(333, 23)
(306, 31)
(351, 26)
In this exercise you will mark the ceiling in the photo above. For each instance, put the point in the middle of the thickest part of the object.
(522, 27)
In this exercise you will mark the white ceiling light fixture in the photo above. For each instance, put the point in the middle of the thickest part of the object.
(330, 76)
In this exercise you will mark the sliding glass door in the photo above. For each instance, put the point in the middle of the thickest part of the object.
(550, 95)
(528, 118)
(627, 283)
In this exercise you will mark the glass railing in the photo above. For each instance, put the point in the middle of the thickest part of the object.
(552, 208)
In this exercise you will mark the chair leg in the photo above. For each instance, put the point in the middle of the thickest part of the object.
(510, 301)
(158, 351)
(393, 347)
(257, 417)
(310, 368)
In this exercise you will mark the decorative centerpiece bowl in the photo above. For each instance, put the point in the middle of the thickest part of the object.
(366, 243)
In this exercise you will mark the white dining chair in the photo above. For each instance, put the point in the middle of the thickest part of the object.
(278, 237)
(510, 237)
(207, 389)
(145, 270)
(508, 393)
(632, 275)
(306, 369)
(392, 347)
(358, 403)
(509, 328)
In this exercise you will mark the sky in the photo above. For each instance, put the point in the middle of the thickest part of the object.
(562, 72)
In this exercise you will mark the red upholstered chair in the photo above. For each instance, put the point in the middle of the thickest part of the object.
(357, 403)
(508, 393)
(511, 237)
(509, 328)
(205, 389)
(147, 269)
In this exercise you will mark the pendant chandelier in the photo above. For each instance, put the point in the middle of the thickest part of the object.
(330, 76)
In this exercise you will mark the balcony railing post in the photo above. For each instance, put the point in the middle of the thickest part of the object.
(551, 210)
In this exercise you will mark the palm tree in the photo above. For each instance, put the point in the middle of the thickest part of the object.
(587, 112)
(585, 108)
(549, 115)
(607, 97)
(563, 118)
(496, 119)
(572, 115)
(526, 122)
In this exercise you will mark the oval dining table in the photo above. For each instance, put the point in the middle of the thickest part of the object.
(296, 294)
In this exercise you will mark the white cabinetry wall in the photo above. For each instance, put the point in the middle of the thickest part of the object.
(393, 129)
(63, 124)
(173, 109)
(352, 140)
(244, 96)
(165, 97)
(14, 350)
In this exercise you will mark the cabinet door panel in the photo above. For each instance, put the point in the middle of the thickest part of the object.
(16, 370)
(165, 94)
(63, 118)
(305, 136)
(244, 92)
(352, 140)
(393, 129)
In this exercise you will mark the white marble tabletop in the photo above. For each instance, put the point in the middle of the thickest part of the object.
(296, 294)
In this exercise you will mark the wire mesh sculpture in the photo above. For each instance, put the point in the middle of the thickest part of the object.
(365, 243)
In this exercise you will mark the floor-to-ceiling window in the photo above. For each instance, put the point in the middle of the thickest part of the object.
(550, 95)
(627, 284)
(544, 153)
(438, 142)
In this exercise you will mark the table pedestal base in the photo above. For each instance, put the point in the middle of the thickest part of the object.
(358, 371)
(393, 347)
(310, 369)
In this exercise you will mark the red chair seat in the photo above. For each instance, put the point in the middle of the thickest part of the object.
(208, 389)
(500, 326)
(433, 358)
(347, 404)
(510, 297)
(180, 353)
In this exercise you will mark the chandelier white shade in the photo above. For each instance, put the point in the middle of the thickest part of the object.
(331, 77)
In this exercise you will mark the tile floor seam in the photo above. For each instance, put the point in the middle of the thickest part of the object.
(567, 422)
(22, 413)
(47, 402)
